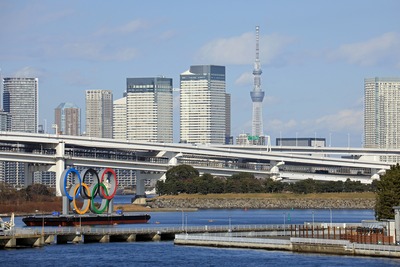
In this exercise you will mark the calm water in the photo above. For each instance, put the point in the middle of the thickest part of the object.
(167, 254)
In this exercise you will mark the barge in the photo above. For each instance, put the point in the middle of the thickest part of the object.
(89, 219)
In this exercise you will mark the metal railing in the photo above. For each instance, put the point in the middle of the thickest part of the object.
(232, 239)
(376, 247)
(185, 229)
(320, 241)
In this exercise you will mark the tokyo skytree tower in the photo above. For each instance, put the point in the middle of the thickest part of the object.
(257, 95)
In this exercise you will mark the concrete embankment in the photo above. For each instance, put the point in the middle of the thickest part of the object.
(263, 203)
(305, 245)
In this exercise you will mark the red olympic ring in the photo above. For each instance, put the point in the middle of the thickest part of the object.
(103, 174)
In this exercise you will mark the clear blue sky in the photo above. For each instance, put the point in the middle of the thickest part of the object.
(314, 54)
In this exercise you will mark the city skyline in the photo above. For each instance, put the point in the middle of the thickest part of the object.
(314, 60)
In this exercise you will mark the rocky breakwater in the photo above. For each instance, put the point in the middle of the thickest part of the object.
(263, 203)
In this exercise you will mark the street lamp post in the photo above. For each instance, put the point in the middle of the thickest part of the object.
(313, 220)
(42, 224)
(183, 221)
(284, 223)
(186, 224)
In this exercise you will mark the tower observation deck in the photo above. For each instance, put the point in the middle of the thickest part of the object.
(257, 95)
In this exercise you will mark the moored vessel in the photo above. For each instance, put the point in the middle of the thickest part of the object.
(90, 219)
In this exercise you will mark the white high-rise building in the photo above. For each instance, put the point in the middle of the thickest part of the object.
(149, 109)
(20, 104)
(119, 123)
(382, 113)
(99, 113)
(203, 105)
(20, 100)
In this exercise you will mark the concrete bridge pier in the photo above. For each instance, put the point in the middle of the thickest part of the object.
(141, 177)
(131, 238)
(275, 171)
(59, 167)
(156, 237)
(30, 169)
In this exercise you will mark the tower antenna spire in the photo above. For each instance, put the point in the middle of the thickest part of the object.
(257, 44)
(257, 95)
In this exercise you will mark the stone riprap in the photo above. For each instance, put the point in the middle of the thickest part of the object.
(262, 203)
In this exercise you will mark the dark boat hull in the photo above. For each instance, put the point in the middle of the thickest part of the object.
(76, 220)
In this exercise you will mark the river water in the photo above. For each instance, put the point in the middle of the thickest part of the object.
(165, 253)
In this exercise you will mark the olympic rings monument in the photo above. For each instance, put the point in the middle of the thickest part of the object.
(87, 185)
(79, 191)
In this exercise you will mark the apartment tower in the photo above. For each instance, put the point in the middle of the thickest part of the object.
(99, 113)
(119, 121)
(20, 104)
(203, 105)
(382, 114)
(20, 100)
(68, 119)
(149, 109)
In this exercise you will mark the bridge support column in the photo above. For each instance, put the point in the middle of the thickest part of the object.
(60, 165)
(28, 173)
(105, 239)
(12, 243)
(275, 171)
(141, 177)
(131, 238)
(156, 237)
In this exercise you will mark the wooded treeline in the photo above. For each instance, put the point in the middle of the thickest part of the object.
(186, 179)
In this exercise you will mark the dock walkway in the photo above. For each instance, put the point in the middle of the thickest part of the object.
(23, 237)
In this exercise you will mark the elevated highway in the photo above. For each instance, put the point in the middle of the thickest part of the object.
(151, 160)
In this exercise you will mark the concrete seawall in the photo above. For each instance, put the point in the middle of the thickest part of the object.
(262, 203)
(304, 245)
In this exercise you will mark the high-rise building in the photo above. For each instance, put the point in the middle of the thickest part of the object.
(5, 121)
(228, 136)
(20, 103)
(119, 122)
(149, 109)
(382, 113)
(99, 113)
(20, 100)
(68, 119)
(257, 95)
(203, 105)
